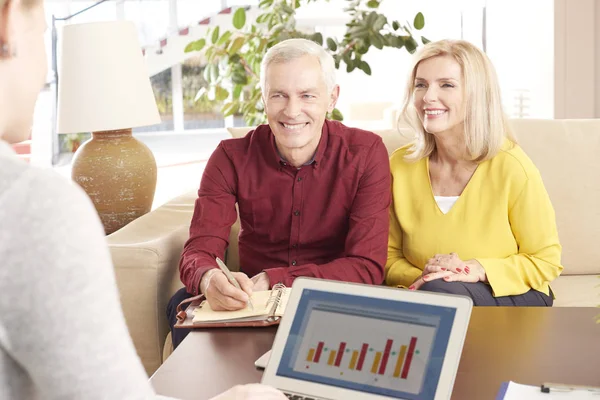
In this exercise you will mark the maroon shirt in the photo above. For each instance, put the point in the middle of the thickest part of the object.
(328, 219)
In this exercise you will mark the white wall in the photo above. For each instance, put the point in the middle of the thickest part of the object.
(577, 59)
(520, 43)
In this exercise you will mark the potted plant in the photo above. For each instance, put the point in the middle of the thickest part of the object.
(234, 56)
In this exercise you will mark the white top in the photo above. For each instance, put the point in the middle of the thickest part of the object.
(62, 332)
(445, 203)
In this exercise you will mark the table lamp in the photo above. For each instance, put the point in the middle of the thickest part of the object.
(104, 88)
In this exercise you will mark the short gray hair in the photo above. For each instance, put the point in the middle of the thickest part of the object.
(292, 49)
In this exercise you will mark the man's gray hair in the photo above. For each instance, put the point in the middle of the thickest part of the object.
(292, 49)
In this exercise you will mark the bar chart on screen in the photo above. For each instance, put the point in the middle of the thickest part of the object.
(391, 354)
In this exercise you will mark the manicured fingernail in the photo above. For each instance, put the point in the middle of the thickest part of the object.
(411, 288)
(425, 278)
(467, 270)
(459, 270)
(443, 269)
(446, 278)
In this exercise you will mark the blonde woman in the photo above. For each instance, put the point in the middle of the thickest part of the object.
(470, 214)
(62, 332)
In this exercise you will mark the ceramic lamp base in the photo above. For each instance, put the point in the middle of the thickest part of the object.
(118, 172)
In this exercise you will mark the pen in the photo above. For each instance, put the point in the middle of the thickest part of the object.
(559, 387)
(232, 279)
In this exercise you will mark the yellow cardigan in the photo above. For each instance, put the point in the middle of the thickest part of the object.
(504, 219)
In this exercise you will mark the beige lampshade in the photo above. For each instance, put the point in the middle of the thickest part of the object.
(103, 81)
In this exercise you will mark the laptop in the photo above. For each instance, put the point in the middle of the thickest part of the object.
(340, 340)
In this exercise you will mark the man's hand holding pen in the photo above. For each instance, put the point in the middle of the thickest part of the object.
(223, 295)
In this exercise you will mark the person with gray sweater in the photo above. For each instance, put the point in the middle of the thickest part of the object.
(62, 331)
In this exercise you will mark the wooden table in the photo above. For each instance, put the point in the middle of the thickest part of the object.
(528, 345)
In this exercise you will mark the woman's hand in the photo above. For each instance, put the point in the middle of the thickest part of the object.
(450, 268)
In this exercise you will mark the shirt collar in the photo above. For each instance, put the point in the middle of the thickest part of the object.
(282, 158)
(317, 156)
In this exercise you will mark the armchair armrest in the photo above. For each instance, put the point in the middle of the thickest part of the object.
(145, 254)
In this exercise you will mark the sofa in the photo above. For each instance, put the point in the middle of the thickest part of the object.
(146, 252)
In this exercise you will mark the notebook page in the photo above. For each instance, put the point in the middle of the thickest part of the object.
(259, 299)
(285, 296)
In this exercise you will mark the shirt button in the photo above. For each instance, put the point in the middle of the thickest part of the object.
(293, 262)
(299, 179)
(297, 213)
(295, 246)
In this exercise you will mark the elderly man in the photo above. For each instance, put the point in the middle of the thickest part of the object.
(313, 194)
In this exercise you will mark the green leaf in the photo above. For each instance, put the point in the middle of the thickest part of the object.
(201, 93)
(221, 93)
(395, 25)
(398, 42)
(424, 40)
(350, 66)
(237, 91)
(236, 45)
(373, 4)
(261, 47)
(411, 44)
(379, 23)
(377, 41)
(265, 4)
(224, 38)
(363, 66)
(331, 45)
(229, 109)
(287, 9)
(419, 22)
(337, 115)
(210, 54)
(215, 35)
(211, 73)
(317, 37)
(239, 78)
(262, 18)
(347, 57)
(239, 18)
(358, 31)
(371, 18)
(276, 29)
(196, 45)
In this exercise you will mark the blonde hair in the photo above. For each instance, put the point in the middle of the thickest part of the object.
(485, 123)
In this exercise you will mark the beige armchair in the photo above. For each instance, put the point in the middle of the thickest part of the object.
(146, 252)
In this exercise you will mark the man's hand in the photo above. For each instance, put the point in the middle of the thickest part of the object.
(253, 391)
(261, 281)
(450, 268)
(221, 294)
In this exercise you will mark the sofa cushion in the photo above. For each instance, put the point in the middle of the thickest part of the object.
(566, 153)
(576, 291)
(145, 254)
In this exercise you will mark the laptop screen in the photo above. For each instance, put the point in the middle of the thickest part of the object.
(386, 347)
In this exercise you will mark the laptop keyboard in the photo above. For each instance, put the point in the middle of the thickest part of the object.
(297, 397)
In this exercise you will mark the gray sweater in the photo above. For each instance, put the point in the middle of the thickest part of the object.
(62, 332)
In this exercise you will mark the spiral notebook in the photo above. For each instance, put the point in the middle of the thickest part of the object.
(269, 307)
